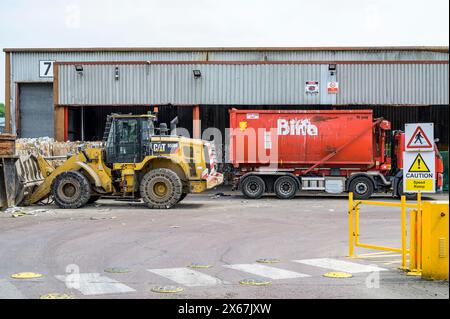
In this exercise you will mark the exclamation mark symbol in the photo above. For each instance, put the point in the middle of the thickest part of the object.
(418, 163)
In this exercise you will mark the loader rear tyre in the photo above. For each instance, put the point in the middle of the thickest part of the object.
(400, 192)
(361, 187)
(253, 187)
(71, 190)
(161, 188)
(285, 187)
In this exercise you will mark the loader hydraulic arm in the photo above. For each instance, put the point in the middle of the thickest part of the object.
(77, 162)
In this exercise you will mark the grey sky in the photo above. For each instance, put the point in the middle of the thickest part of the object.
(150, 23)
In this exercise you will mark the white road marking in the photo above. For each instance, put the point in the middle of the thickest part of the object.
(94, 284)
(187, 277)
(340, 265)
(266, 271)
(9, 291)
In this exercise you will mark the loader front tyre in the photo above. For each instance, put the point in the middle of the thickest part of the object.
(161, 188)
(361, 187)
(71, 190)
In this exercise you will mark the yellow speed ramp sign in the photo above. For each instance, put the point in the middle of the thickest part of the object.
(419, 172)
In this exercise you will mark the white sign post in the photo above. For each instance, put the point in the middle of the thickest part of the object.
(419, 171)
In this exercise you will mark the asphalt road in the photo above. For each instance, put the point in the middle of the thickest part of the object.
(308, 235)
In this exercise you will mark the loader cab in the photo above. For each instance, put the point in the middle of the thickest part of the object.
(127, 138)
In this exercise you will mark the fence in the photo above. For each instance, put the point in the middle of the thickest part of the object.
(414, 250)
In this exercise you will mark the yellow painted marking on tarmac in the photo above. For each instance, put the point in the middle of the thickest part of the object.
(26, 275)
(338, 274)
(199, 266)
(255, 282)
(56, 296)
(167, 290)
(117, 270)
(268, 261)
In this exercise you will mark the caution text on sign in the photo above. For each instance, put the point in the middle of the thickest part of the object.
(419, 172)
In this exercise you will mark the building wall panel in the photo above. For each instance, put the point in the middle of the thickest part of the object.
(24, 67)
(247, 84)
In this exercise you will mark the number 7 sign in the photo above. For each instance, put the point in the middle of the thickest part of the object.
(46, 69)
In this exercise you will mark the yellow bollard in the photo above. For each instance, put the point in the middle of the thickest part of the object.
(356, 212)
(419, 240)
(403, 207)
(350, 225)
(413, 240)
(435, 240)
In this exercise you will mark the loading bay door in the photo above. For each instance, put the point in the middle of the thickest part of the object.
(36, 110)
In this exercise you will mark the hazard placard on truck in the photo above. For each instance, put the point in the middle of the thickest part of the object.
(419, 172)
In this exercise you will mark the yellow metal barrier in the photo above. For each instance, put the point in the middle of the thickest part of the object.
(428, 235)
(353, 221)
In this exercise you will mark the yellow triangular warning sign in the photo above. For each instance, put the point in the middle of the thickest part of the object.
(419, 165)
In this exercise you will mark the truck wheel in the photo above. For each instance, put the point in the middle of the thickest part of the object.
(361, 187)
(161, 188)
(285, 187)
(71, 190)
(253, 187)
(409, 196)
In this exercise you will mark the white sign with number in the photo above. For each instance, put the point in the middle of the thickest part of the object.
(46, 69)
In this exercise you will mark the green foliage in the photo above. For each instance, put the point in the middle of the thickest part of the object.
(2, 110)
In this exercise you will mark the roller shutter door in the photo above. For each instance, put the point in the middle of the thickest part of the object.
(36, 110)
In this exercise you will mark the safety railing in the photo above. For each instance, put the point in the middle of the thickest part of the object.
(414, 250)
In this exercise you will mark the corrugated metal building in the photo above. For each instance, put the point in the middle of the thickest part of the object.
(67, 93)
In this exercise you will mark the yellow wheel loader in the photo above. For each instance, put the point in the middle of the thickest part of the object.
(135, 162)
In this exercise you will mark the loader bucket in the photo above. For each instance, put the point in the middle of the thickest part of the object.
(29, 176)
(19, 176)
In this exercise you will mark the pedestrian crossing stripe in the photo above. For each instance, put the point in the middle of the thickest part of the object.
(340, 265)
(419, 140)
(419, 165)
(187, 277)
(91, 284)
(266, 271)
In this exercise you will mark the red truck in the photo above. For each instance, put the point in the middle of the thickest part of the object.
(335, 151)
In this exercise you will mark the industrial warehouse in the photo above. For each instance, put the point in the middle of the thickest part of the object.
(68, 93)
(216, 169)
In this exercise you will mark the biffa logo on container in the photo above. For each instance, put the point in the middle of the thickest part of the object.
(297, 127)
